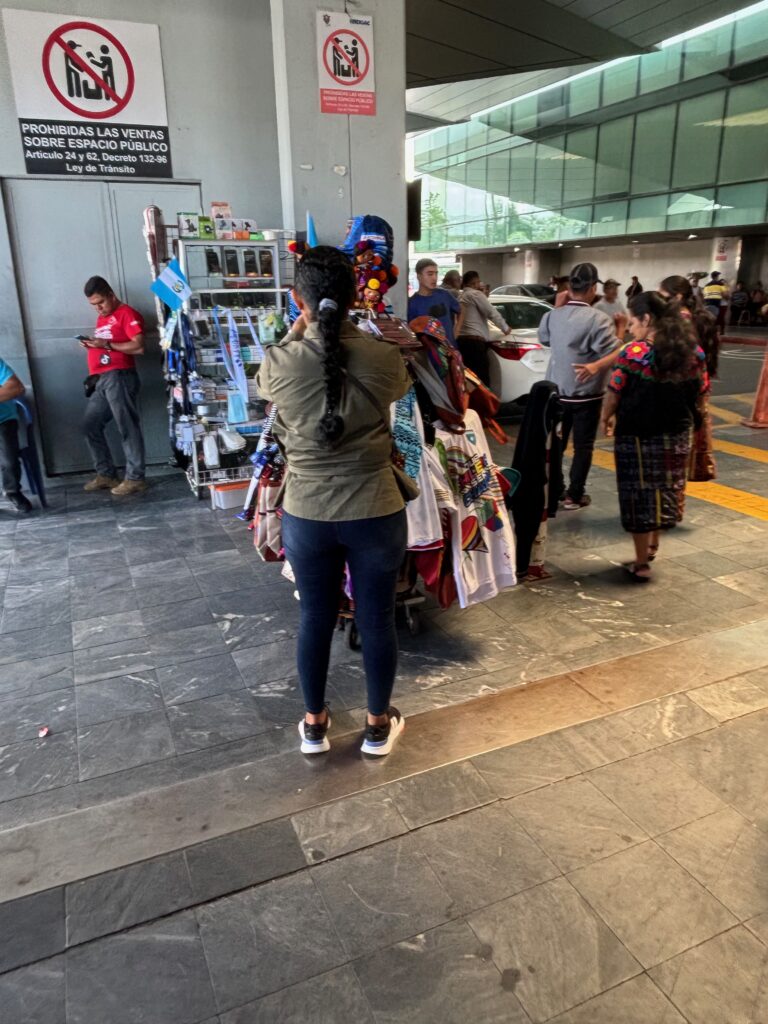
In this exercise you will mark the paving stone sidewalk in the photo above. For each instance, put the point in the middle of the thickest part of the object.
(156, 647)
(611, 871)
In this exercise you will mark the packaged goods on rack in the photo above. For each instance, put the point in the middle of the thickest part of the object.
(213, 347)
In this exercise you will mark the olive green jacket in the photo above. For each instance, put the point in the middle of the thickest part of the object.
(354, 479)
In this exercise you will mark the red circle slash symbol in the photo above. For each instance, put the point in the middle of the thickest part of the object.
(346, 57)
(88, 80)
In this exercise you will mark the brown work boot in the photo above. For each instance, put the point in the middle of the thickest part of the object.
(102, 483)
(130, 487)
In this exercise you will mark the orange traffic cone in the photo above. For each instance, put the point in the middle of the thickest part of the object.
(759, 417)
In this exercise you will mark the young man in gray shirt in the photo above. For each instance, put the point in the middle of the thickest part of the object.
(473, 336)
(577, 335)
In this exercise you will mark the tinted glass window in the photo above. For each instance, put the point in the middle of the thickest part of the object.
(539, 290)
(520, 315)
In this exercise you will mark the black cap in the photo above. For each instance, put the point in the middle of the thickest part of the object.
(583, 276)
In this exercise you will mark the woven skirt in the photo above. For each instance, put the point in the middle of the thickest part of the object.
(651, 474)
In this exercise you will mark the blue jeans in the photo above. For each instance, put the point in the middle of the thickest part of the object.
(374, 550)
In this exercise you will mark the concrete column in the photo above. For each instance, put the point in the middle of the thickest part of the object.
(335, 165)
(531, 266)
(726, 256)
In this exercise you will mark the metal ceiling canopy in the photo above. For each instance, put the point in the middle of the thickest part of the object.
(451, 40)
(531, 42)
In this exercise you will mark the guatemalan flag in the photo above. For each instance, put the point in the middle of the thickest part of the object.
(171, 287)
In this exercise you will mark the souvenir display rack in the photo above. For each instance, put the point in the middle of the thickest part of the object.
(252, 280)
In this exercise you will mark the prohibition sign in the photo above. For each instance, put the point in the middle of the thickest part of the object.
(358, 74)
(56, 41)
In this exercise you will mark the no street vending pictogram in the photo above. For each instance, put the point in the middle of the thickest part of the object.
(345, 63)
(346, 58)
(88, 70)
(90, 95)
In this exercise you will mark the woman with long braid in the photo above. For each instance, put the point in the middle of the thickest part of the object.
(333, 386)
(656, 393)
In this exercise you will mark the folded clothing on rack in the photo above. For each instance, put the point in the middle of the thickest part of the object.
(230, 440)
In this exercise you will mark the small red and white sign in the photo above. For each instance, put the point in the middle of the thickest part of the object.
(76, 68)
(345, 63)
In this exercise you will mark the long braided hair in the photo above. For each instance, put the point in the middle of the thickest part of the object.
(325, 282)
(704, 323)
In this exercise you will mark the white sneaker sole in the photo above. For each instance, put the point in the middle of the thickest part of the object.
(314, 747)
(382, 749)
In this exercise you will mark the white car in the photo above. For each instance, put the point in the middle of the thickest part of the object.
(517, 360)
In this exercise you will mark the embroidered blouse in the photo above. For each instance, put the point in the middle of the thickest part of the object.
(649, 407)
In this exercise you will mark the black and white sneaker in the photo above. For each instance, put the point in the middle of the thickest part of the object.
(314, 738)
(378, 740)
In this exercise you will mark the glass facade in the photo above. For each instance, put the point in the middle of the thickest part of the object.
(671, 140)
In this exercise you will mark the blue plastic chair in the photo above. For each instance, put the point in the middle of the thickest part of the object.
(28, 451)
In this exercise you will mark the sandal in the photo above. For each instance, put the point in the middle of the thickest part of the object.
(635, 568)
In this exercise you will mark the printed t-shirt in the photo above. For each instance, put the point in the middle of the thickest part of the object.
(482, 538)
(440, 304)
(7, 409)
(120, 326)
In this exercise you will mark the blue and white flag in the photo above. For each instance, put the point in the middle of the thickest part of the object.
(223, 350)
(171, 287)
(239, 375)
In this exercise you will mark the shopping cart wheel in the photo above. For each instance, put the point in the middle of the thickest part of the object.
(353, 637)
(413, 619)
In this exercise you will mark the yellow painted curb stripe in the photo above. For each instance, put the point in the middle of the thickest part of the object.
(743, 399)
(725, 414)
(742, 450)
(730, 497)
(716, 494)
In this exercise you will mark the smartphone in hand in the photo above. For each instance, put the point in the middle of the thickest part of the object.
(82, 338)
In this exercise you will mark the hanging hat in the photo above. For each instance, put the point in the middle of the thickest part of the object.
(430, 326)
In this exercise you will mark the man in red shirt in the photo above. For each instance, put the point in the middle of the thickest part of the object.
(119, 337)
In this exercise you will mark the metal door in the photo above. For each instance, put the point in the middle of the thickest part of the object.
(62, 232)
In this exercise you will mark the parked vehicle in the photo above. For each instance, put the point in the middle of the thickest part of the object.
(533, 291)
(517, 360)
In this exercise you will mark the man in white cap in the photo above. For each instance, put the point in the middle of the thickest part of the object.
(579, 336)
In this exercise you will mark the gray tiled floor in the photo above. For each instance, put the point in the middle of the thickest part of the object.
(601, 873)
(554, 905)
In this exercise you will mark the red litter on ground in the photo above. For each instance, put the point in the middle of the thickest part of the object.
(43, 731)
